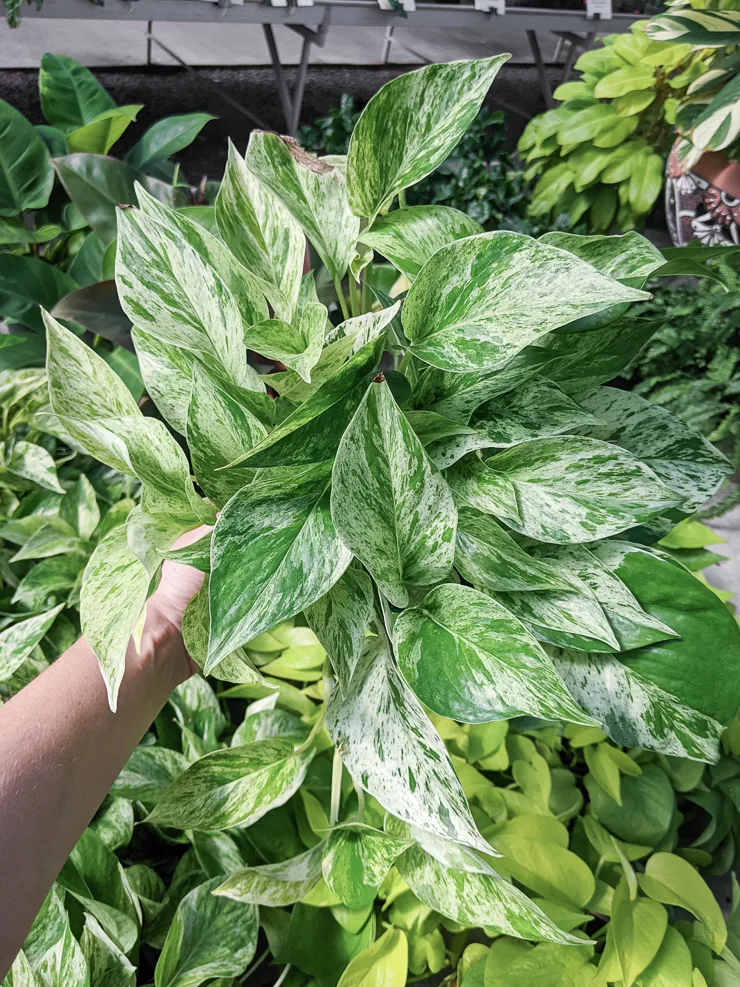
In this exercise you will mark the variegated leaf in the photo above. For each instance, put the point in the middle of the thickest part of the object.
(362, 329)
(197, 554)
(148, 773)
(149, 534)
(313, 192)
(276, 885)
(261, 233)
(718, 126)
(356, 861)
(410, 126)
(445, 440)
(477, 899)
(477, 302)
(408, 237)
(233, 787)
(449, 854)
(676, 452)
(389, 504)
(274, 552)
(629, 258)
(490, 559)
(633, 627)
(196, 630)
(114, 591)
(468, 658)
(219, 430)
(701, 28)
(567, 489)
(18, 641)
(312, 432)
(633, 710)
(339, 620)
(79, 507)
(28, 463)
(392, 750)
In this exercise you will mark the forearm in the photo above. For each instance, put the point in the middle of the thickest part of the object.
(61, 749)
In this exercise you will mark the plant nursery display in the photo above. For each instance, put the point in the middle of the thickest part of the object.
(459, 687)
(59, 188)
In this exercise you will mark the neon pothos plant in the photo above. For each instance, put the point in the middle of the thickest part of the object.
(466, 534)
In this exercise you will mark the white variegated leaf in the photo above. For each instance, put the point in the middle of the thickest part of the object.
(274, 551)
(196, 631)
(297, 345)
(392, 750)
(446, 441)
(28, 463)
(389, 504)
(261, 233)
(362, 329)
(18, 641)
(276, 885)
(630, 258)
(356, 861)
(477, 302)
(446, 852)
(408, 237)
(148, 773)
(167, 372)
(313, 192)
(468, 658)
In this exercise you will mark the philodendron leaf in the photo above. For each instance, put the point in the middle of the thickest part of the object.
(339, 620)
(101, 133)
(384, 963)
(389, 504)
(209, 937)
(276, 885)
(70, 94)
(18, 641)
(165, 138)
(566, 489)
(275, 551)
(430, 110)
(673, 881)
(477, 899)
(392, 750)
(26, 175)
(477, 302)
(312, 191)
(233, 787)
(677, 453)
(468, 658)
(356, 861)
(408, 237)
(261, 233)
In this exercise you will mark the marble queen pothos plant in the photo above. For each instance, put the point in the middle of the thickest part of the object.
(467, 534)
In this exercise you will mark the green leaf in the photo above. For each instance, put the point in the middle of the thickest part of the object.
(219, 430)
(165, 138)
(71, 96)
(383, 964)
(275, 551)
(646, 812)
(408, 237)
(98, 135)
(108, 966)
(276, 885)
(673, 881)
(53, 537)
(339, 619)
(261, 233)
(26, 461)
(646, 183)
(623, 81)
(392, 750)
(356, 861)
(672, 966)
(48, 581)
(28, 284)
(232, 787)
(638, 927)
(554, 965)
(209, 937)
(568, 489)
(26, 176)
(79, 507)
(468, 658)
(298, 346)
(18, 641)
(700, 28)
(148, 773)
(477, 302)
(389, 504)
(313, 192)
(14, 232)
(167, 371)
(431, 109)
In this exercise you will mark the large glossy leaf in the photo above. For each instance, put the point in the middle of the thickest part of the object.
(408, 237)
(232, 787)
(28, 284)
(630, 258)
(313, 192)
(339, 620)
(262, 234)
(566, 489)
(165, 138)
(18, 641)
(384, 963)
(477, 302)
(209, 937)
(392, 750)
(276, 885)
(389, 504)
(356, 861)
(100, 134)
(26, 176)
(673, 881)
(167, 371)
(429, 110)
(677, 453)
(468, 658)
(275, 551)
(70, 94)
(96, 307)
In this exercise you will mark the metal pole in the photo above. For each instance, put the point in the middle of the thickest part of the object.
(282, 86)
(149, 25)
(387, 43)
(544, 81)
(300, 87)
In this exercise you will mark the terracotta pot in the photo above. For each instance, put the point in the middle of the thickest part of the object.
(703, 203)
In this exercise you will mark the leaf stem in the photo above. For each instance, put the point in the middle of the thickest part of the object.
(402, 199)
(354, 296)
(255, 966)
(340, 296)
(315, 730)
(336, 788)
(283, 975)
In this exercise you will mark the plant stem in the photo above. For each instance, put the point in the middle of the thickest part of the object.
(354, 296)
(283, 975)
(340, 296)
(255, 966)
(315, 730)
(365, 289)
(402, 199)
(336, 788)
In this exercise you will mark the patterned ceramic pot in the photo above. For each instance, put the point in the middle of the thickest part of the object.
(703, 203)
